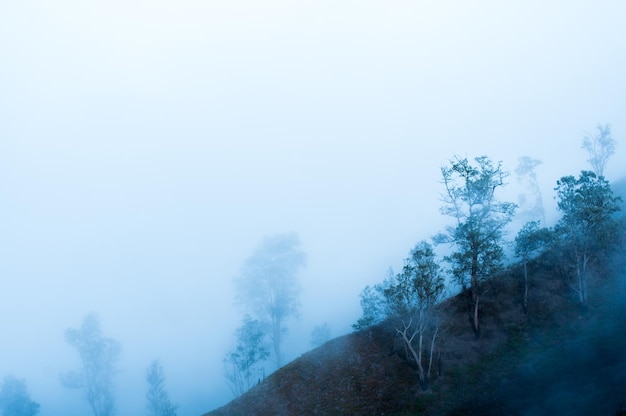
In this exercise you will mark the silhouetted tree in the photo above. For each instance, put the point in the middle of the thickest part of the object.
(98, 356)
(15, 399)
(600, 147)
(268, 288)
(159, 403)
(588, 228)
(529, 240)
(470, 198)
(242, 363)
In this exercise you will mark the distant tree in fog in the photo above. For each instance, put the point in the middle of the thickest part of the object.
(15, 399)
(372, 305)
(159, 403)
(530, 201)
(588, 228)
(268, 289)
(600, 147)
(470, 197)
(241, 364)
(320, 334)
(98, 356)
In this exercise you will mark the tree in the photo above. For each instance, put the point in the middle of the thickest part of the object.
(373, 305)
(15, 399)
(159, 403)
(600, 147)
(470, 198)
(320, 334)
(530, 239)
(407, 300)
(410, 299)
(98, 356)
(530, 202)
(242, 363)
(267, 287)
(588, 228)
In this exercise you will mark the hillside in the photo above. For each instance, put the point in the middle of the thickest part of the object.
(556, 359)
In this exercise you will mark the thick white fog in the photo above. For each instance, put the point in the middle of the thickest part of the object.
(147, 147)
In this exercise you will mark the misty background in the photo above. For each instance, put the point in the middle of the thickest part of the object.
(146, 148)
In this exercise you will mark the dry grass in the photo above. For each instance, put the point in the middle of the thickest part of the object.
(364, 374)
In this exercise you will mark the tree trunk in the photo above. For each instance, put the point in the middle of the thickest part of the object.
(276, 341)
(476, 325)
(474, 289)
(417, 356)
(581, 279)
(525, 301)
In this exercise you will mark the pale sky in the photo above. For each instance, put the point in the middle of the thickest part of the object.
(147, 147)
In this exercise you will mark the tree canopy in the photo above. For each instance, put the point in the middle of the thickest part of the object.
(470, 197)
(588, 228)
(98, 356)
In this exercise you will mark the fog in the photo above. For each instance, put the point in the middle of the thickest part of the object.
(147, 148)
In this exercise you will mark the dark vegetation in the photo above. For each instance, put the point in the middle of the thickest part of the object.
(541, 354)
(553, 360)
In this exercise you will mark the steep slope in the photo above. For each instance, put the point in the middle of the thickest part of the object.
(556, 359)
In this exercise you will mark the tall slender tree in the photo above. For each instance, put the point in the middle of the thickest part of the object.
(530, 201)
(470, 198)
(267, 287)
(159, 403)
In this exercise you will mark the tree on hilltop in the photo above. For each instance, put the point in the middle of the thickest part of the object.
(470, 198)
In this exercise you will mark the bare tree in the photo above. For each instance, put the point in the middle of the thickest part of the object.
(470, 198)
(98, 356)
(268, 288)
(600, 147)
